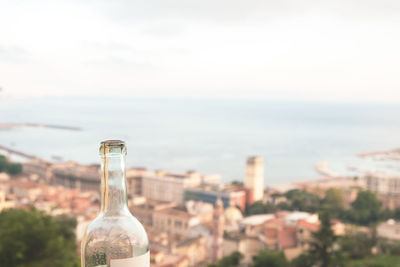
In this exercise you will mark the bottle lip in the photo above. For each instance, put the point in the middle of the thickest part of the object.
(112, 148)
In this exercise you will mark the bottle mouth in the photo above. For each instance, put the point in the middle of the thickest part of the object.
(112, 148)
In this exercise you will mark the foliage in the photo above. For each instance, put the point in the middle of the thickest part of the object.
(366, 208)
(259, 208)
(232, 260)
(9, 167)
(34, 239)
(356, 246)
(321, 247)
(303, 200)
(379, 261)
(333, 201)
(389, 247)
(303, 260)
(270, 258)
(237, 183)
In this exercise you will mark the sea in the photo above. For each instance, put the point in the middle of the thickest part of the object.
(211, 136)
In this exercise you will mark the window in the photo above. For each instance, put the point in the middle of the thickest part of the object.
(178, 224)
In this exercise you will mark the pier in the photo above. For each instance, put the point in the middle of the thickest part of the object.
(18, 153)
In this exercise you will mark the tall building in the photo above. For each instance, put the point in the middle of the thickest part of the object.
(255, 177)
(386, 187)
(218, 230)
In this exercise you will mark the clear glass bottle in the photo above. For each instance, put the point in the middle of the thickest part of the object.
(115, 238)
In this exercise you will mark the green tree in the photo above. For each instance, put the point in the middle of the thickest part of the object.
(34, 239)
(9, 167)
(270, 258)
(259, 208)
(366, 208)
(232, 260)
(14, 168)
(3, 163)
(356, 246)
(389, 247)
(321, 248)
(333, 201)
(303, 200)
(237, 183)
(303, 260)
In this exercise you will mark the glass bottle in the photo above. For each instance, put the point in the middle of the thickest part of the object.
(115, 238)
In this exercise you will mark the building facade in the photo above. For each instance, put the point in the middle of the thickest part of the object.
(235, 197)
(168, 187)
(387, 189)
(255, 177)
(76, 176)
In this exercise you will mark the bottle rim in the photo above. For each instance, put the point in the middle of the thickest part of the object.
(112, 148)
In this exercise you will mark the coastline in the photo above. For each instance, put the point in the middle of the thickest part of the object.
(10, 126)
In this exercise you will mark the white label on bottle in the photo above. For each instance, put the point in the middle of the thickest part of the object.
(140, 261)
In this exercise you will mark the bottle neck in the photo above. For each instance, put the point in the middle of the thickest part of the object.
(113, 185)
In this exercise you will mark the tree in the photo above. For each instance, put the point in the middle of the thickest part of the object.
(3, 163)
(237, 183)
(34, 239)
(270, 258)
(366, 208)
(260, 208)
(321, 247)
(14, 168)
(232, 260)
(303, 200)
(303, 260)
(333, 201)
(9, 167)
(356, 246)
(389, 247)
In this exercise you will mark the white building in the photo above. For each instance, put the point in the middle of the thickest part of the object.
(389, 229)
(170, 187)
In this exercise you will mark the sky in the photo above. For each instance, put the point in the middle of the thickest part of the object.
(342, 50)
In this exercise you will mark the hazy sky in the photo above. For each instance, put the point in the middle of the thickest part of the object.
(314, 50)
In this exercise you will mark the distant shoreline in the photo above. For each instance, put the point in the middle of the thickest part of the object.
(10, 126)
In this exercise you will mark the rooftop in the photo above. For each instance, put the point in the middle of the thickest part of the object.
(257, 219)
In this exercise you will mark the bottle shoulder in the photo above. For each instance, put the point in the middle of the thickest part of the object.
(122, 226)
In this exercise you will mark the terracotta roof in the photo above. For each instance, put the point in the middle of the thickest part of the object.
(274, 221)
(310, 226)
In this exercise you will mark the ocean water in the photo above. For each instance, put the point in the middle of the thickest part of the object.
(210, 136)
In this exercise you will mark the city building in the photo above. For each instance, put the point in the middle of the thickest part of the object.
(175, 221)
(210, 193)
(134, 180)
(73, 175)
(159, 258)
(218, 230)
(37, 169)
(389, 230)
(387, 188)
(145, 212)
(194, 249)
(255, 178)
(170, 187)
